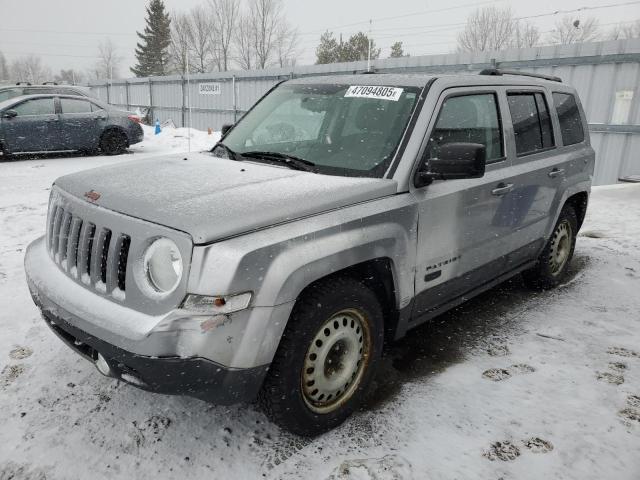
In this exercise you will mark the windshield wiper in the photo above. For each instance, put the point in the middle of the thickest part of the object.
(232, 155)
(290, 161)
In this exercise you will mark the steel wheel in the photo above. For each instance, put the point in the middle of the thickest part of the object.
(560, 247)
(335, 361)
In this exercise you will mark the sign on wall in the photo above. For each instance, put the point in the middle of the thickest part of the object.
(210, 88)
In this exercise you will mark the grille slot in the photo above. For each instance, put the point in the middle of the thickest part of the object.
(94, 255)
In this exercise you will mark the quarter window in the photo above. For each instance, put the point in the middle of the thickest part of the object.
(72, 105)
(569, 116)
(37, 106)
(531, 122)
(468, 119)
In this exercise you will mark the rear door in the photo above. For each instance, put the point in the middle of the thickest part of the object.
(78, 124)
(34, 128)
(462, 241)
(538, 171)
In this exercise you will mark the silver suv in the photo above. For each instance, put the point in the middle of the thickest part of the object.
(338, 213)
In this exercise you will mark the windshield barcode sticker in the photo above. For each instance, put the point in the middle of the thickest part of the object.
(381, 93)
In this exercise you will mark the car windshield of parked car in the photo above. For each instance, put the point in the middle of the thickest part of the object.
(350, 130)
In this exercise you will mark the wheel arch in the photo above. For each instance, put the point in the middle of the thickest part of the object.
(579, 202)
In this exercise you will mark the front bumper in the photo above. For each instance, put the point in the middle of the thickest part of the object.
(222, 359)
(195, 377)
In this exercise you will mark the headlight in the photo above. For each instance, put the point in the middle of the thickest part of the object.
(163, 265)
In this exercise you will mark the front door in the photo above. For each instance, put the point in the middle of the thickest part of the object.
(462, 235)
(34, 128)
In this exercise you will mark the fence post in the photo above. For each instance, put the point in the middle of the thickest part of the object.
(184, 105)
(126, 91)
(151, 115)
(235, 106)
(108, 93)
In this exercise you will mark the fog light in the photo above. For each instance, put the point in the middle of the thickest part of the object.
(103, 366)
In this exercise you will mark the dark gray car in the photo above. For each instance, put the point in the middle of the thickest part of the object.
(55, 123)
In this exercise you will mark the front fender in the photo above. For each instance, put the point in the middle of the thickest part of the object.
(277, 263)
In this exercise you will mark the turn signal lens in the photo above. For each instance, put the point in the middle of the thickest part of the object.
(219, 304)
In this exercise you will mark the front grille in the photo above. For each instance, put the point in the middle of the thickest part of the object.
(95, 256)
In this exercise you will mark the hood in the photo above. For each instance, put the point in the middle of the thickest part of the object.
(212, 198)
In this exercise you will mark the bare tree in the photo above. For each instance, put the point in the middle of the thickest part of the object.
(179, 47)
(286, 45)
(526, 35)
(30, 69)
(224, 19)
(489, 28)
(245, 43)
(108, 63)
(201, 40)
(570, 30)
(267, 21)
(625, 30)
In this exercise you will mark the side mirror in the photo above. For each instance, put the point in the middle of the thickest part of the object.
(455, 161)
(226, 127)
(9, 114)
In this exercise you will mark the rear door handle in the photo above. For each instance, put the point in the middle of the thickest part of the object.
(556, 172)
(502, 189)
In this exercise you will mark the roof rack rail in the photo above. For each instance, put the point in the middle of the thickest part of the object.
(23, 83)
(496, 71)
(50, 83)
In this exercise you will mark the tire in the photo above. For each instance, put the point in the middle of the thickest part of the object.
(4, 155)
(553, 263)
(113, 142)
(344, 313)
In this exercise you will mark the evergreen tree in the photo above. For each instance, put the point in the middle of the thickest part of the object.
(327, 51)
(396, 50)
(153, 52)
(357, 48)
(4, 68)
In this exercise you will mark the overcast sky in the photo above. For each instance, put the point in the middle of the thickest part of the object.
(66, 33)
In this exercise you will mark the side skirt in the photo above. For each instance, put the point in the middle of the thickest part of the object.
(408, 321)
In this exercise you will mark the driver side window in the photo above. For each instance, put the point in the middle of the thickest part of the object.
(468, 119)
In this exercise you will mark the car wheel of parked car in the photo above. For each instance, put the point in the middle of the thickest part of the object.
(4, 155)
(113, 142)
(326, 358)
(554, 260)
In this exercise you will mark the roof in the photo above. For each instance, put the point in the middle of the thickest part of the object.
(19, 98)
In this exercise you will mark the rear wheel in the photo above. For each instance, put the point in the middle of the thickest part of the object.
(553, 263)
(4, 155)
(326, 358)
(113, 142)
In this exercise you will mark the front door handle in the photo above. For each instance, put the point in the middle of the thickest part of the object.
(556, 172)
(502, 189)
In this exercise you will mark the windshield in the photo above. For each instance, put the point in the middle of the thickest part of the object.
(342, 129)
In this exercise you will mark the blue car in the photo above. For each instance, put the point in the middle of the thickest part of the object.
(60, 123)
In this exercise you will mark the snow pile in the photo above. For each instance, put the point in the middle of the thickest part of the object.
(174, 140)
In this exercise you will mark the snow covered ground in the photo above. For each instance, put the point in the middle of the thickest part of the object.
(512, 385)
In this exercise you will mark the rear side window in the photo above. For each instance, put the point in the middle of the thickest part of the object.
(72, 105)
(569, 116)
(37, 106)
(468, 119)
(10, 93)
(531, 122)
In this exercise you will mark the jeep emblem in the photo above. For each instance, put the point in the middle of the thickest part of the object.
(92, 196)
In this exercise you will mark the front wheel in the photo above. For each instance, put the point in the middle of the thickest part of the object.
(553, 262)
(326, 358)
(113, 142)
